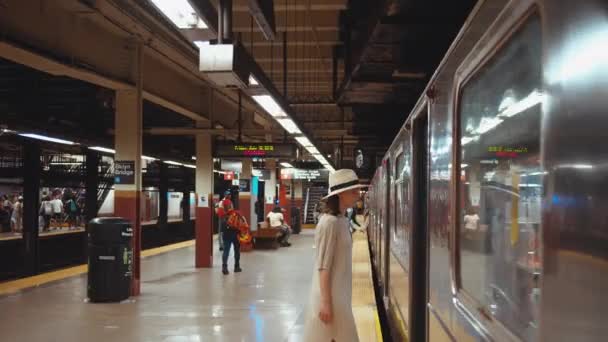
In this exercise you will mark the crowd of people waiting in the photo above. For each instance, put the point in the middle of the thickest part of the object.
(58, 209)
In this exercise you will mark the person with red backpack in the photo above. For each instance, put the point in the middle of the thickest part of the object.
(229, 234)
(221, 210)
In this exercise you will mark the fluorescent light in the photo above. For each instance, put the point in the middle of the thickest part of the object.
(148, 158)
(312, 150)
(102, 149)
(170, 162)
(528, 102)
(289, 126)
(287, 165)
(269, 105)
(304, 141)
(220, 172)
(190, 166)
(45, 138)
(538, 173)
(486, 124)
(575, 166)
(468, 140)
(253, 81)
(65, 163)
(181, 13)
(193, 158)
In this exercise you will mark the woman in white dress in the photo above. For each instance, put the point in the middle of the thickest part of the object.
(330, 315)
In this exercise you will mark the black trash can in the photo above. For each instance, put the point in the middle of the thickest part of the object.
(296, 220)
(110, 259)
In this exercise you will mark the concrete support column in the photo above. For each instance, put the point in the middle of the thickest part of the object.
(204, 201)
(91, 205)
(270, 186)
(91, 184)
(163, 195)
(298, 198)
(185, 197)
(246, 203)
(128, 146)
(32, 170)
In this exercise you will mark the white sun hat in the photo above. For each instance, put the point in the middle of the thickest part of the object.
(343, 180)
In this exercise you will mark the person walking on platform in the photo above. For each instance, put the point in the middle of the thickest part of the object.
(6, 209)
(46, 211)
(230, 236)
(57, 204)
(17, 218)
(223, 207)
(330, 315)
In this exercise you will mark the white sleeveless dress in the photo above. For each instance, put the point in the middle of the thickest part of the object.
(333, 251)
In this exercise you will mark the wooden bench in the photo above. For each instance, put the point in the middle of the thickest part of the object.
(266, 237)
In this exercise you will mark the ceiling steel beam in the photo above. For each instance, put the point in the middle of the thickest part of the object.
(206, 10)
(263, 13)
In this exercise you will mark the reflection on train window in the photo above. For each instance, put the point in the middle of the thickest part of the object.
(403, 206)
(501, 183)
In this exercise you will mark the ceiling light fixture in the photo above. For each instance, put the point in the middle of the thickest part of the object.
(102, 149)
(181, 13)
(284, 164)
(312, 150)
(171, 162)
(269, 105)
(304, 141)
(289, 126)
(45, 138)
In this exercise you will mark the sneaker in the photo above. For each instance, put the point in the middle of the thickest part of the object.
(237, 269)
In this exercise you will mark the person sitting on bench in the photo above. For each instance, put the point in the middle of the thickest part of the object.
(277, 220)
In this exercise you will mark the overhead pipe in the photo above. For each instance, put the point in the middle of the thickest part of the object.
(224, 27)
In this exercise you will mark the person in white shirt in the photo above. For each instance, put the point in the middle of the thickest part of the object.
(57, 210)
(277, 220)
(17, 219)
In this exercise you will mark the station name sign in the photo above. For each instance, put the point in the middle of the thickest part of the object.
(225, 150)
(124, 172)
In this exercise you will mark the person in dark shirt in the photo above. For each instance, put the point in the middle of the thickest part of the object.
(229, 236)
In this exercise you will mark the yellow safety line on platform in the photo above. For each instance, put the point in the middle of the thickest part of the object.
(364, 305)
(15, 286)
(308, 226)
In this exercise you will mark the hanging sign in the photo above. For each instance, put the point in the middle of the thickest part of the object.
(261, 174)
(229, 175)
(291, 173)
(124, 172)
(225, 150)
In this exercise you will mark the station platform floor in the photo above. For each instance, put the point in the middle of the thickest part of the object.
(266, 302)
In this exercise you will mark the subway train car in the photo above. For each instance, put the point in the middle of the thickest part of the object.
(489, 213)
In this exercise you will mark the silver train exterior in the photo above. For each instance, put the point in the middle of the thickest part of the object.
(489, 213)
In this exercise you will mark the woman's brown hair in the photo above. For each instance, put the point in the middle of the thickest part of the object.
(332, 205)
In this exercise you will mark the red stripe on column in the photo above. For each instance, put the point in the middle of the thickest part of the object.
(127, 205)
(204, 237)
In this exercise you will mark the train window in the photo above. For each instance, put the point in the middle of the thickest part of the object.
(402, 207)
(501, 182)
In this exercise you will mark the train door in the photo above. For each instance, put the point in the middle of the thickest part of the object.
(419, 242)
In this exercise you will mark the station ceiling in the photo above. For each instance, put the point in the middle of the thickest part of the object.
(354, 69)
